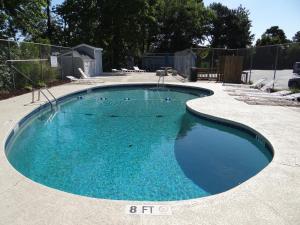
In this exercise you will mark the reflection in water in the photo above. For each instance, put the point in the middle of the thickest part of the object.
(215, 157)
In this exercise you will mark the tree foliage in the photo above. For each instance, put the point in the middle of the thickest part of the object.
(230, 28)
(296, 37)
(180, 25)
(121, 27)
(126, 29)
(272, 36)
(22, 17)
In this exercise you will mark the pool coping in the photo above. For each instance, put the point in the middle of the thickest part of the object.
(186, 209)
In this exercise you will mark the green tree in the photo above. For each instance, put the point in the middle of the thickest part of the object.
(296, 37)
(78, 21)
(121, 27)
(128, 28)
(22, 17)
(124, 29)
(272, 36)
(230, 28)
(49, 21)
(180, 25)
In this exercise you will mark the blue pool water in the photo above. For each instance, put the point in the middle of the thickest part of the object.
(135, 143)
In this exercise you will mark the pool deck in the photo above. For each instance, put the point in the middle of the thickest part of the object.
(270, 197)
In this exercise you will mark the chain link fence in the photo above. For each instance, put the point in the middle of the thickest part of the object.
(26, 65)
(274, 62)
(155, 61)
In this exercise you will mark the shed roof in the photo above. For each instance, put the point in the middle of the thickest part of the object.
(88, 46)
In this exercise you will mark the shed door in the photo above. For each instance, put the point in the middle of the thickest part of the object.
(86, 67)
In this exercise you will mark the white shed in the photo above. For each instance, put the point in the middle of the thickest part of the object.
(83, 56)
(184, 61)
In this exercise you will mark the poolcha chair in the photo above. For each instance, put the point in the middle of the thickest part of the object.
(263, 91)
(126, 70)
(83, 75)
(84, 78)
(137, 69)
(277, 98)
(257, 84)
(267, 87)
(80, 81)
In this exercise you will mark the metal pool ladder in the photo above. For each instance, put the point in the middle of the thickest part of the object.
(52, 102)
(161, 80)
(44, 91)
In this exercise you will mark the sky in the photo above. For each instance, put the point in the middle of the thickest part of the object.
(264, 14)
(267, 13)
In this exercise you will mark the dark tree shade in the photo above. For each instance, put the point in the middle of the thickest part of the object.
(230, 28)
(22, 17)
(272, 36)
(127, 29)
(180, 25)
(296, 38)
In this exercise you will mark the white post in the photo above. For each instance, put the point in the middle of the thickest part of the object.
(32, 99)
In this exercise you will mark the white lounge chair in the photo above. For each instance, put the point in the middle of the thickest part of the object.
(126, 70)
(255, 88)
(85, 77)
(137, 69)
(248, 92)
(293, 97)
(262, 94)
(256, 84)
(82, 74)
(71, 78)
(81, 81)
(272, 99)
(268, 86)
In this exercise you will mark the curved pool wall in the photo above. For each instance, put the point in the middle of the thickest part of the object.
(202, 173)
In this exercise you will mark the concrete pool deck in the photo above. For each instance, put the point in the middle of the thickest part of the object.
(270, 197)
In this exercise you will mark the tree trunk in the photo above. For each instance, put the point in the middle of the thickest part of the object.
(49, 25)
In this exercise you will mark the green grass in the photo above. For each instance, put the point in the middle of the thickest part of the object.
(295, 90)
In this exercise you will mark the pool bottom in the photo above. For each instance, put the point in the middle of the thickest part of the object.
(126, 165)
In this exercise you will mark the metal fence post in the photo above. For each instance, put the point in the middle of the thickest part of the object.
(212, 61)
(73, 62)
(251, 63)
(60, 65)
(42, 75)
(275, 67)
(9, 57)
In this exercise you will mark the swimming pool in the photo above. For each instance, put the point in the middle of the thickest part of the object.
(135, 143)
